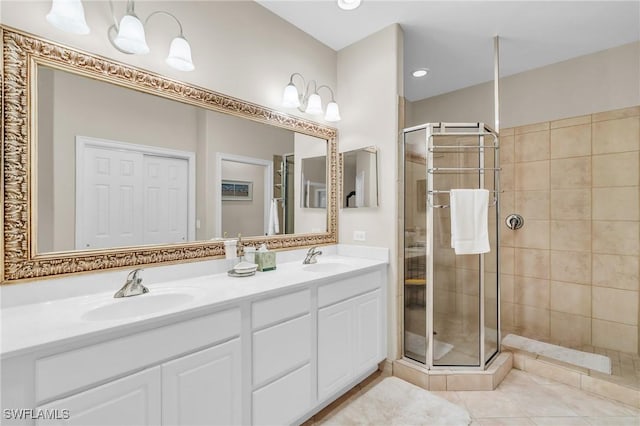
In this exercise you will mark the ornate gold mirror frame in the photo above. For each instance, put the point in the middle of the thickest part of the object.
(21, 54)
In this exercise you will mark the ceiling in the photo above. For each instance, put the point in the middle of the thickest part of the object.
(454, 39)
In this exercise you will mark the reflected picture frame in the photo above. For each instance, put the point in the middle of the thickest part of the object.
(236, 190)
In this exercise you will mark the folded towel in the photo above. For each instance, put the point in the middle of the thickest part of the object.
(469, 221)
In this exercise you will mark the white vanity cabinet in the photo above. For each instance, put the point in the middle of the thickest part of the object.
(202, 387)
(133, 400)
(281, 358)
(269, 358)
(198, 389)
(351, 331)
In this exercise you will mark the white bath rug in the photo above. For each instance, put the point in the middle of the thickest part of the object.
(418, 345)
(571, 356)
(396, 402)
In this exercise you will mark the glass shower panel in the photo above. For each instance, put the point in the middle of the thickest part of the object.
(456, 277)
(491, 276)
(415, 294)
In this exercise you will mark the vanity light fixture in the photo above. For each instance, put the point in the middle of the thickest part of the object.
(68, 15)
(310, 101)
(127, 35)
(349, 4)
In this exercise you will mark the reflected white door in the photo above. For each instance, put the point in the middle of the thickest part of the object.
(165, 199)
(130, 198)
(110, 199)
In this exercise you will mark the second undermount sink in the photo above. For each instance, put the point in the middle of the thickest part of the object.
(135, 306)
(325, 267)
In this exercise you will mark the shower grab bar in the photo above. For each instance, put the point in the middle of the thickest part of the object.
(463, 147)
(446, 206)
(443, 133)
(443, 191)
(462, 169)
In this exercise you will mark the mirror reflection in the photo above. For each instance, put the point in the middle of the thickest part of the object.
(360, 178)
(314, 182)
(117, 167)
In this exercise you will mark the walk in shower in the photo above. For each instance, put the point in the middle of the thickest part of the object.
(451, 302)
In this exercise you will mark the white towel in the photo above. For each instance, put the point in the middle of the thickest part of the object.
(274, 223)
(360, 189)
(469, 221)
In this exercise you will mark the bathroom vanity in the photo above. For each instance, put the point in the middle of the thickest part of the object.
(269, 349)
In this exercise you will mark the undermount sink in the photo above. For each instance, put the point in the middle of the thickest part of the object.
(134, 306)
(325, 267)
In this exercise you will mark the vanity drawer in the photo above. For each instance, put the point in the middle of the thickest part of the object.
(69, 371)
(276, 309)
(280, 348)
(344, 289)
(285, 400)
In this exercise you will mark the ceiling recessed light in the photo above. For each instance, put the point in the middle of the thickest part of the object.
(348, 4)
(421, 72)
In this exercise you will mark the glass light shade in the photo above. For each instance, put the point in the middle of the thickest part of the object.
(290, 98)
(68, 15)
(333, 113)
(314, 104)
(130, 36)
(180, 55)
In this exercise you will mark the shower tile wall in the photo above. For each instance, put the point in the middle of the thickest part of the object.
(570, 275)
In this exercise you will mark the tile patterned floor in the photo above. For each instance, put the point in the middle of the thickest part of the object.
(522, 399)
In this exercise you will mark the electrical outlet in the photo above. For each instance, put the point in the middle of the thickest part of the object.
(359, 236)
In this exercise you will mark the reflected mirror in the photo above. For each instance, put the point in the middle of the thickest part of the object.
(118, 167)
(314, 182)
(360, 178)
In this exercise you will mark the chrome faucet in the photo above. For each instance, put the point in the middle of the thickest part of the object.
(133, 286)
(312, 255)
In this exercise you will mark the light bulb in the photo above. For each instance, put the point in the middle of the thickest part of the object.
(180, 55)
(314, 104)
(130, 36)
(68, 15)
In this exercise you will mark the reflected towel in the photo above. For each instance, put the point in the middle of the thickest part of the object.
(360, 189)
(469, 221)
(274, 223)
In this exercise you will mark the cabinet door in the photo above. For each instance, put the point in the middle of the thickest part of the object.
(335, 347)
(284, 400)
(132, 400)
(368, 335)
(203, 388)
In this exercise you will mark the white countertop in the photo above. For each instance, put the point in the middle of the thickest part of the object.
(34, 326)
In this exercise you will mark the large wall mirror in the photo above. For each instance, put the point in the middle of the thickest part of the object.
(109, 166)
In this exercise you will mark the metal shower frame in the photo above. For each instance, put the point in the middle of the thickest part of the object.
(481, 131)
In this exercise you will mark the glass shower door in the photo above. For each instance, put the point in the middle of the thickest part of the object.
(415, 294)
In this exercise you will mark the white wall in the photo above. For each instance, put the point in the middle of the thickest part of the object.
(601, 81)
(244, 217)
(239, 48)
(369, 86)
